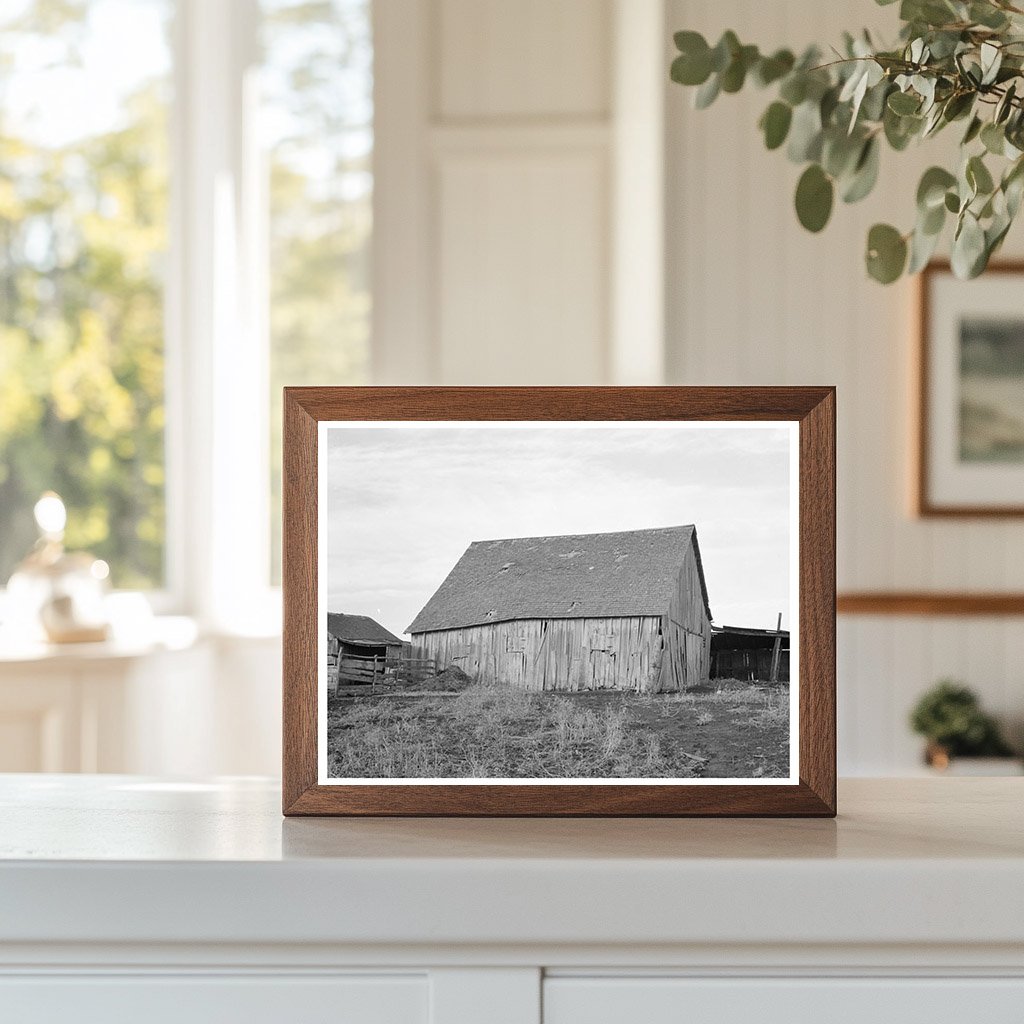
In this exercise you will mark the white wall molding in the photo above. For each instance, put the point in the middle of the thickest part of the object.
(638, 198)
(552, 136)
(403, 350)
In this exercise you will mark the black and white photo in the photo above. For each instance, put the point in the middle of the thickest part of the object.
(539, 602)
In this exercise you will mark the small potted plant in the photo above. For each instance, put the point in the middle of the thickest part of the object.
(950, 718)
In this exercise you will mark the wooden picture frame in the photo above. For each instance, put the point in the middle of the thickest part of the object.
(939, 491)
(809, 791)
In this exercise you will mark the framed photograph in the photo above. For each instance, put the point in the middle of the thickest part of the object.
(970, 450)
(559, 601)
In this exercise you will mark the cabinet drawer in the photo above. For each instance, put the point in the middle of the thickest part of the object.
(202, 999)
(782, 1001)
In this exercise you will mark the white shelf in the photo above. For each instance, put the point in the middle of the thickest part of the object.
(121, 859)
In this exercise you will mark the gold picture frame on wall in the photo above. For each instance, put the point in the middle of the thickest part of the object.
(970, 386)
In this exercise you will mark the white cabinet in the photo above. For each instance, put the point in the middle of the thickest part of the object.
(127, 899)
(203, 999)
(829, 1000)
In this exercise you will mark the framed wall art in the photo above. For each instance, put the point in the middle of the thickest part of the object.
(970, 444)
(559, 601)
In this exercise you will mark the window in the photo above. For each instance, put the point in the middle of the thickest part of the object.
(185, 221)
(317, 88)
(83, 235)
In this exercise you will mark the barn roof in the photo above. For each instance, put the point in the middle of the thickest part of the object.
(589, 575)
(359, 629)
(747, 638)
(748, 631)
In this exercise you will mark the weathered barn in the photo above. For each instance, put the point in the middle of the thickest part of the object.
(624, 611)
(359, 636)
(741, 653)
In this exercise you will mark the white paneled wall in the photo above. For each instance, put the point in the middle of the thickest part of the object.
(503, 315)
(753, 299)
(507, 150)
(557, 67)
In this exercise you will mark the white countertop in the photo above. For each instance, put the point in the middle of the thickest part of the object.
(121, 859)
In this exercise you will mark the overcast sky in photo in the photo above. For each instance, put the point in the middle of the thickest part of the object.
(404, 503)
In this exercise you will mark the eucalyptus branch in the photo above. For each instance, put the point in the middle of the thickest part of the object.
(955, 59)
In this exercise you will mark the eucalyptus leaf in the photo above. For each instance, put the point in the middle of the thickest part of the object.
(932, 221)
(1014, 192)
(929, 12)
(707, 93)
(814, 196)
(691, 70)
(827, 106)
(991, 61)
(931, 190)
(775, 124)
(922, 247)
(1005, 105)
(794, 88)
(944, 44)
(925, 87)
(973, 130)
(978, 176)
(987, 15)
(886, 253)
(875, 98)
(840, 152)
(771, 69)
(1013, 187)
(933, 122)
(900, 130)
(966, 187)
(957, 106)
(904, 103)
(993, 138)
(865, 173)
(805, 133)
(735, 74)
(724, 51)
(968, 248)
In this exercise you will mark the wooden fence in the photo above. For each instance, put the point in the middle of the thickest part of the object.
(378, 674)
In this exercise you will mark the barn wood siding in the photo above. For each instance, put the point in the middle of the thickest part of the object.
(750, 664)
(553, 654)
(687, 630)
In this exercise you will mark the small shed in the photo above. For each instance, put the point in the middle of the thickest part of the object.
(739, 652)
(359, 636)
(626, 610)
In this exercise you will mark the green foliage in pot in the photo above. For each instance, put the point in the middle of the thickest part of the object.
(957, 62)
(949, 716)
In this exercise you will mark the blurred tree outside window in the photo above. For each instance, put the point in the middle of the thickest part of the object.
(83, 237)
(317, 120)
(85, 165)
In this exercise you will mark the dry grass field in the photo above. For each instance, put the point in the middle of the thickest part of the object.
(733, 731)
